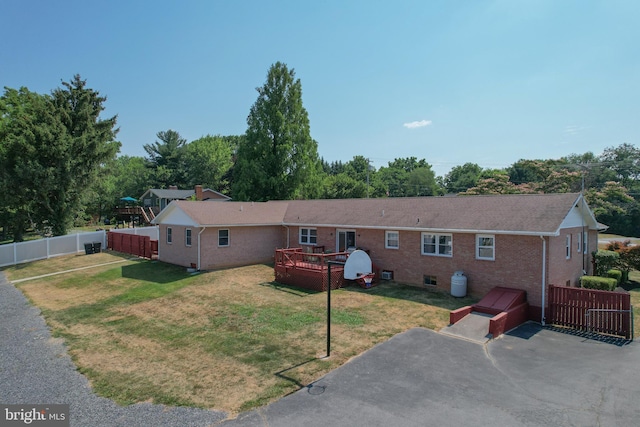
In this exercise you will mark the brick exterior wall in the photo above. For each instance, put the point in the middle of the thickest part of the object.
(247, 245)
(177, 252)
(567, 272)
(517, 259)
(517, 264)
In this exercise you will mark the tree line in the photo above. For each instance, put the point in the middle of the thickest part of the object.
(59, 164)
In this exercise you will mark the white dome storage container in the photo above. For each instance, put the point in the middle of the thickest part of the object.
(458, 284)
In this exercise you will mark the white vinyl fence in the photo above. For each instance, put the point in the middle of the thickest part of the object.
(153, 232)
(17, 253)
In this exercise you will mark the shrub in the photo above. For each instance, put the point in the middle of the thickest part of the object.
(615, 274)
(601, 283)
(605, 261)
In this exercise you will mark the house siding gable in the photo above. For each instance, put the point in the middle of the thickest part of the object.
(575, 219)
(176, 216)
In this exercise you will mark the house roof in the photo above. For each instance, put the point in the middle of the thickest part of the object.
(517, 213)
(169, 194)
(533, 214)
(226, 214)
(179, 194)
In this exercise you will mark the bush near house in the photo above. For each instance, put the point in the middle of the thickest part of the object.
(615, 274)
(629, 257)
(597, 282)
(605, 261)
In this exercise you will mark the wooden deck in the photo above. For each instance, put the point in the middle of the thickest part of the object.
(308, 270)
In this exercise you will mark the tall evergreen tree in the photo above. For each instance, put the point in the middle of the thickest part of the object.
(278, 159)
(166, 159)
(52, 150)
(90, 143)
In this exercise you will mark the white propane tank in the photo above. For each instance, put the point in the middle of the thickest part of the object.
(458, 284)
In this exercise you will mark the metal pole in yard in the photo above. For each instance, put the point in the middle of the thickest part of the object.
(329, 310)
(329, 263)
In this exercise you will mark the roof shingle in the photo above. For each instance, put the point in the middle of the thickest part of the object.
(518, 213)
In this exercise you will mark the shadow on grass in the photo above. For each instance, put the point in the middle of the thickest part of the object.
(281, 374)
(413, 293)
(631, 286)
(154, 271)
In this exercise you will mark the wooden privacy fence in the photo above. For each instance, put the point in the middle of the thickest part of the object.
(591, 310)
(133, 244)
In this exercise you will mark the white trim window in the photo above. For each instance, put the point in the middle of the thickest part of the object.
(437, 244)
(169, 235)
(579, 242)
(486, 247)
(308, 236)
(567, 245)
(187, 237)
(392, 239)
(223, 237)
(585, 242)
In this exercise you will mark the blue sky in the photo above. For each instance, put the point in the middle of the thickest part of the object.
(450, 81)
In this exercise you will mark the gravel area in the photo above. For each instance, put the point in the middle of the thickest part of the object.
(36, 369)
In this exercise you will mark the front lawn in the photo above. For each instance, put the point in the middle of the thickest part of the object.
(229, 340)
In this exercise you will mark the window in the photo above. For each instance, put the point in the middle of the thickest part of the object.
(579, 239)
(223, 237)
(169, 233)
(567, 245)
(485, 247)
(187, 237)
(308, 236)
(392, 239)
(430, 281)
(437, 244)
(585, 242)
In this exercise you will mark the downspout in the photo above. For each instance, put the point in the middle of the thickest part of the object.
(201, 231)
(287, 227)
(544, 274)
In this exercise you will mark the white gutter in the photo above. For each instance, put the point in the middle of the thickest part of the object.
(201, 231)
(544, 274)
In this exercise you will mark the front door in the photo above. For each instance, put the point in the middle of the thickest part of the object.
(346, 239)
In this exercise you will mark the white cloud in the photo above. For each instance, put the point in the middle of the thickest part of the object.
(574, 130)
(417, 124)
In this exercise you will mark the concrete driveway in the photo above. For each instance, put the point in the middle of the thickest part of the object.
(530, 377)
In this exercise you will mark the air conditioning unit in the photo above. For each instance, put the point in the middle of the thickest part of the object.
(387, 275)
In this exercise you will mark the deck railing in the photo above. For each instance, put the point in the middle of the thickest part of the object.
(299, 258)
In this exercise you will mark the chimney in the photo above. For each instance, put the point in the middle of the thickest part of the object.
(173, 187)
(199, 193)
